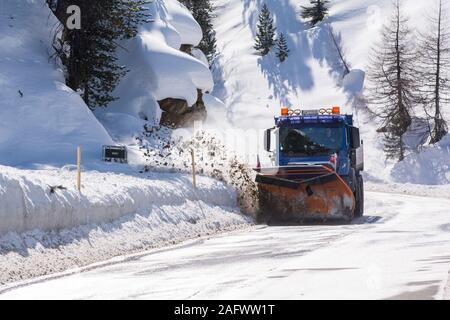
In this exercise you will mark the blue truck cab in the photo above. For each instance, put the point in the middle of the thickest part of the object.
(319, 137)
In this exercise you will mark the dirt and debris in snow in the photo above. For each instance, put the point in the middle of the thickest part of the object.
(165, 150)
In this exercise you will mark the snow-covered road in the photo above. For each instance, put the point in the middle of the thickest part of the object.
(401, 249)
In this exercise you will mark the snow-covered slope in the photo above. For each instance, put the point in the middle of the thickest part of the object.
(253, 87)
(42, 121)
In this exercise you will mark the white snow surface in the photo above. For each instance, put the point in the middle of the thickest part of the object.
(47, 123)
(181, 19)
(431, 166)
(254, 87)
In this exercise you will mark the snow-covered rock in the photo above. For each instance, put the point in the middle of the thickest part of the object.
(158, 69)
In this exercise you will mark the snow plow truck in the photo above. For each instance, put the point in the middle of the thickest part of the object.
(317, 160)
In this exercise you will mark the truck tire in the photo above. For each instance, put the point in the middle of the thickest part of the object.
(359, 196)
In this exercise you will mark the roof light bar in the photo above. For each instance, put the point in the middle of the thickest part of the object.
(286, 112)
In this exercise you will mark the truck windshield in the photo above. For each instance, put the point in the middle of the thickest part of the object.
(311, 141)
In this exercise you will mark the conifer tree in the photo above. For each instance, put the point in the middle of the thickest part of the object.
(203, 13)
(265, 35)
(316, 11)
(89, 54)
(282, 48)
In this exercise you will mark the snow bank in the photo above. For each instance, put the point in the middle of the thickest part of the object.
(42, 121)
(158, 69)
(429, 166)
(27, 203)
(42, 232)
(38, 253)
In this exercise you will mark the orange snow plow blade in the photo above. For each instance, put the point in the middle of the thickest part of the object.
(304, 193)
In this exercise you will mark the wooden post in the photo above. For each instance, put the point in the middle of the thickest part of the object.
(79, 169)
(194, 179)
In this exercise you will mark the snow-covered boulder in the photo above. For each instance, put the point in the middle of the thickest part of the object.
(178, 114)
(158, 68)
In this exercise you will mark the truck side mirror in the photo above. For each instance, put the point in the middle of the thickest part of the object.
(267, 140)
(356, 138)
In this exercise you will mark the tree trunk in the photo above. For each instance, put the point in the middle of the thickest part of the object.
(399, 78)
(438, 125)
(86, 94)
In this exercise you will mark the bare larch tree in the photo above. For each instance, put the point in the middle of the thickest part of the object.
(435, 63)
(393, 82)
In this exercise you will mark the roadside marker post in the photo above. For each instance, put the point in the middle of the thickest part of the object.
(194, 178)
(79, 169)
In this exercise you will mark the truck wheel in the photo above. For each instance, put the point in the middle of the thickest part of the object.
(359, 196)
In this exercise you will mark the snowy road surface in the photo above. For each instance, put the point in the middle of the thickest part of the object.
(400, 250)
